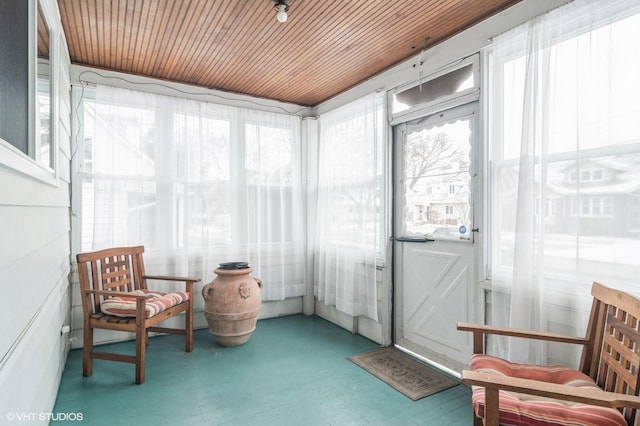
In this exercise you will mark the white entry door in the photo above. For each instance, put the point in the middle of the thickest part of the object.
(435, 182)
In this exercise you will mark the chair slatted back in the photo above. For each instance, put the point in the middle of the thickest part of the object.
(116, 273)
(613, 361)
(114, 269)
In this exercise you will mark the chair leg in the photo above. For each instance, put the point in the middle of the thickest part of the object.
(189, 328)
(142, 338)
(87, 348)
(491, 407)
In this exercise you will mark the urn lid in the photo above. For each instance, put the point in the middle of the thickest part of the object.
(234, 265)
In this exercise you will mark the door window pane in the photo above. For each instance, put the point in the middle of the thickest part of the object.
(436, 181)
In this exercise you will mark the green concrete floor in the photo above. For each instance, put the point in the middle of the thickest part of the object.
(293, 371)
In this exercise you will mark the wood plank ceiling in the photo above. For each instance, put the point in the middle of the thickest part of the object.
(324, 48)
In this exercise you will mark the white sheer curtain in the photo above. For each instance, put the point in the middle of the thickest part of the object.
(350, 207)
(565, 168)
(194, 182)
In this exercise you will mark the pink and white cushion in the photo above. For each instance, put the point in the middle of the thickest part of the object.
(156, 302)
(522, 409)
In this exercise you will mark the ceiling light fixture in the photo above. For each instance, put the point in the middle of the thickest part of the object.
(282, 7)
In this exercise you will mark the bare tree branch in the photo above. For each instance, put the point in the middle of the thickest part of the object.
(428, 153)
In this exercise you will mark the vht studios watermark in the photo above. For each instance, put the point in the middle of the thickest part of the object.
(49, 417)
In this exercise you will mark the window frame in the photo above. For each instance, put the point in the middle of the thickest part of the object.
(28, 164)
(442, 103)
(382, 176)
(237, 129)
(572, 207)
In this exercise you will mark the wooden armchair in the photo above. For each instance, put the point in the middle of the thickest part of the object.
(604, 391)
(115, 296)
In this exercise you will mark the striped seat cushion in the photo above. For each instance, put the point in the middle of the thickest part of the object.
(522, 409)
(156, 302)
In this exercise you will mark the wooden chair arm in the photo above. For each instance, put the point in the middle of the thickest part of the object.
(187, 280)
(480, 330)
(171, 278)
(494, 382)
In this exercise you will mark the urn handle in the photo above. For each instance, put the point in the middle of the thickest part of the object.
(259, 281)
(206, 291)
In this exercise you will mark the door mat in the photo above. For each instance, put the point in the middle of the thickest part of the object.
(403, 373)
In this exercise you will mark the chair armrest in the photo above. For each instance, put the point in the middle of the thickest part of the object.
(188, 281)
(585, 395)
(171, 278)
(479, 331)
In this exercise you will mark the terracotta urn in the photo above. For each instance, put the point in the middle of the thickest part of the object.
(232, 303)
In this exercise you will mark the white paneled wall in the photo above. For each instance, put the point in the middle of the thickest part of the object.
(34, 266)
